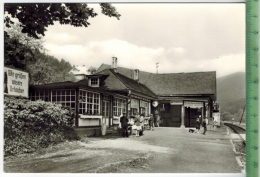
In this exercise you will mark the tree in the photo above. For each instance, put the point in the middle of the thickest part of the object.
(15, 32)
(92, 70)
(48, 69)
(226, 116)
(16, 54)
(36, 17)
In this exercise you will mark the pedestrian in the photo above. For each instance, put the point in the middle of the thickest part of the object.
(124, 125)
(204, 125)
(207, 120)
(198, 125)
(138, 124)
(157, 120)
(151, 122)
(215, 123)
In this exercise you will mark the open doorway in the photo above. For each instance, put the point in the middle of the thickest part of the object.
(191, 114)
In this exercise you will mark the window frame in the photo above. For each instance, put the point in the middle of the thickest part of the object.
(89, 102)
(64, 97)
(94, 82)
(144, 105)
(119, 107)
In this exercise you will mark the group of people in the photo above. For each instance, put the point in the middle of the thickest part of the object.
(204, 125)
(138, 123)
(138, 120)
(153, 120)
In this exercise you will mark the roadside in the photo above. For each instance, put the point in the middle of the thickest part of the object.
(165, 150)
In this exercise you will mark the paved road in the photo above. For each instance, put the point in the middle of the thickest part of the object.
(165, 150)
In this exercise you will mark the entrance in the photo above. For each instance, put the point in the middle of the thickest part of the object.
(105, 112)
(175, 116)
(191, 114)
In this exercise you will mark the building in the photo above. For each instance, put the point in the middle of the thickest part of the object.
(79, 72)
(179, 98)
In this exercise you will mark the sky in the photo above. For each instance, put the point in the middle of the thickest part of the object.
(182, 37)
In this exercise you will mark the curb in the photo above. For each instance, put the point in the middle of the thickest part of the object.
(239, 162)
(233, 148)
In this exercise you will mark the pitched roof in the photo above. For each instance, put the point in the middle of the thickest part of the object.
(117, 81)
(183, 83)
(173, 83)
(135, 85)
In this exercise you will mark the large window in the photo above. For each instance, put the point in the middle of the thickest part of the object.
(65, 97)
(39, 95)
(105, 108)
(119, 106)
(89, 102)
(144, 108)
(134, 106)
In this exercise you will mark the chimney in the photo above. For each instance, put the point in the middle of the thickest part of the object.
(114, 64)
(136, 74)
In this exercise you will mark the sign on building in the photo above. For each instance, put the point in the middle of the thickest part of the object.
(16, 82)
(193, 104)
(174, 102)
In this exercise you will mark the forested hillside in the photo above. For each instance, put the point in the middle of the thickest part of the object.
(231, 95)
(28, 54)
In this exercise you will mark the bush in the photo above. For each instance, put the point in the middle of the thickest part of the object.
(29, 125)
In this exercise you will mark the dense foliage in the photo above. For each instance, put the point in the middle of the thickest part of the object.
(48, 69)
(17, 54)
(29, 125)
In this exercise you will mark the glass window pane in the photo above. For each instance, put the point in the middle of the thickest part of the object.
(67, 92)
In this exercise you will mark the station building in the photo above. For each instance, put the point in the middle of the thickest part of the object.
(179, 98)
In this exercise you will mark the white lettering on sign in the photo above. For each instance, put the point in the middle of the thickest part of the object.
(192, 104)
(175, 102)
(16, 83)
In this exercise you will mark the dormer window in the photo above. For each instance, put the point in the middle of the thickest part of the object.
(94, 82)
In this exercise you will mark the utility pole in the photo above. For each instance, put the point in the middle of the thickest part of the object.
(157, 65)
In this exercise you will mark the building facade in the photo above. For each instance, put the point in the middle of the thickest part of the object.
(178, 98)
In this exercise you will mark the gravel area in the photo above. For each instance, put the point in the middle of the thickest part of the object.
(240, 149)
(165, 150)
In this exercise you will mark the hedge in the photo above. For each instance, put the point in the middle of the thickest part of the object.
(29, 125)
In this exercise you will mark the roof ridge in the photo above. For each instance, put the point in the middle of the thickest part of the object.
(115, 74)
(158, 73)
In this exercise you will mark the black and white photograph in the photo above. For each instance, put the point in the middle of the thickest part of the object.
(131, 88)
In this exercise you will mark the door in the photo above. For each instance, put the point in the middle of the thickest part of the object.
(175, 113)
(105, 112)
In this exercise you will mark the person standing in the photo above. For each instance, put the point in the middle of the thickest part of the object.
(158, 120)
(124, 125)
(151, 122)
(198, 125)
(204, 125)
(138, 124)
